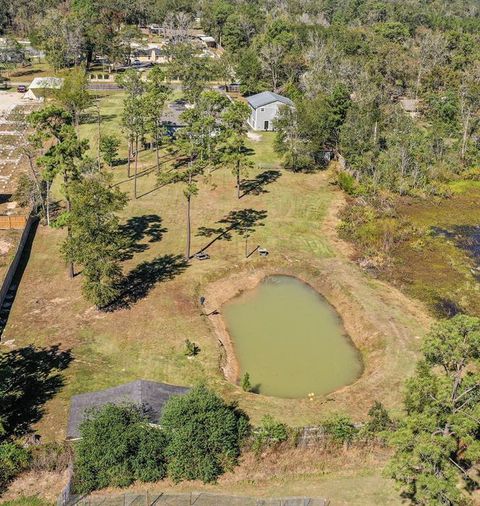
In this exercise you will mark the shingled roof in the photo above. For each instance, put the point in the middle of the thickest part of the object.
(150, 395)
(267, 97)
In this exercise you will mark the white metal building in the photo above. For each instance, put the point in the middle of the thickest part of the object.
(42, 87)
(264, 109)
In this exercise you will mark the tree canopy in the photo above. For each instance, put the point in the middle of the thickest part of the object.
(437, 443)
(118, 446)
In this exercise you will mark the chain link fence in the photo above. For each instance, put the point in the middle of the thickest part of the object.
(197, 499)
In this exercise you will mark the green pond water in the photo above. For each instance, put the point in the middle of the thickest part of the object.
(290, 340)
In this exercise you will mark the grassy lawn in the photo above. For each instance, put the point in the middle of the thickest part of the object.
(146, 339)
(265, 155)
(26, 501)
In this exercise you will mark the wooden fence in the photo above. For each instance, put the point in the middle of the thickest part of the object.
(15, 222)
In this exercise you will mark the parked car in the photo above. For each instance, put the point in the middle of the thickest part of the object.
(202, 256)
(21, 88)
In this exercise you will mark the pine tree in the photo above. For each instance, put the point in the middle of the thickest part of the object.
(95, 241)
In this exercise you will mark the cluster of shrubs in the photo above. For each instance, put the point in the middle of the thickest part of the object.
(15, 458)
(374, 227)
(199, 437)
(341, 429)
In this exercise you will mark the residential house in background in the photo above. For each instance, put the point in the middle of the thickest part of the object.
(264, 109)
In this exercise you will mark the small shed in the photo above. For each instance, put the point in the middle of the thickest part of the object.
(265, 107)
(411, 106)
(208, 41)
(42, 87)
(151, 396)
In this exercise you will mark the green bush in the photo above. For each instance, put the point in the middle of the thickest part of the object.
(378, 425)
(191, 348)
(13, 460)
(246, 384)
(204, 435)
(348, 184)
(270, 433)
(340, 428)
(378, 419)
(118, 446)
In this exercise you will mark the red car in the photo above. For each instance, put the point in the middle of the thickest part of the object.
(21, 88)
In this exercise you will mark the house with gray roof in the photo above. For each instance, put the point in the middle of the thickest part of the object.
(151, 396)
(264, 109)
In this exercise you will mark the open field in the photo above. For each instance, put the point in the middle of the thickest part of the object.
(27, 74)
(145, 338)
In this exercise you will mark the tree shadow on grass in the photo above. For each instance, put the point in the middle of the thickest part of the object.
(29, 377)
(242, 222)
(140, 280)
(257, 185)
(138, 228)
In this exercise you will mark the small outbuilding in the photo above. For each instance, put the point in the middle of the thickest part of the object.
(151, 396)
(411, 106)
(264, 109)
(43, 87)
(208, 41)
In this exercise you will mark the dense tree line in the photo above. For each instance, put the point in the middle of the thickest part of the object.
(346, 64)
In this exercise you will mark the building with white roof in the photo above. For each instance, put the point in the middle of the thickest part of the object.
(42, 87)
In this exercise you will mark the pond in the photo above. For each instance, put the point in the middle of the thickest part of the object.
(290, 340)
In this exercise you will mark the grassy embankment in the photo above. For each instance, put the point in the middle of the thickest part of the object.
(146, 340)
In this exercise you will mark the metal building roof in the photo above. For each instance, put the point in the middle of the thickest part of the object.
(267, 97)
(46, 82)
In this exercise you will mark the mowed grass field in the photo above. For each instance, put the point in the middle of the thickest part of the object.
(145, 339)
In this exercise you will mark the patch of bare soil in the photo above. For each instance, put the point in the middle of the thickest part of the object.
(4, 246)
